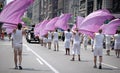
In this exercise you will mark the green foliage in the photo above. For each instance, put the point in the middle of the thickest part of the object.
(26, 20)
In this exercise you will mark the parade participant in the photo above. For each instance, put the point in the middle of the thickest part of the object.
(117, 43)
(92, 41)
(49, 39)
(17, 45)
(2, 35)
(98, 47)
(55, 39)
(44, 41)
(68, 36)
(108, 43)
(85, 41)
(76, 44)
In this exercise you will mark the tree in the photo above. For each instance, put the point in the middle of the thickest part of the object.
(27, 21)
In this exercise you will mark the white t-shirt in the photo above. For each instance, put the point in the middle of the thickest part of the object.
(77, 38)
(68, 35)
(98, 41)
(55, 36)
(17, 37)
(117, 38)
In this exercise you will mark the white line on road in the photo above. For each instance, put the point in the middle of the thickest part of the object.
(53, 69)
(109, 65)
(39, 61)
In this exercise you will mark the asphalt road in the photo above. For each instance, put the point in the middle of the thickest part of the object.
(38, 59)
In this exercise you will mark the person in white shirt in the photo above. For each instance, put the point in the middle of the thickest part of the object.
(117, 43)
(17, 45)
(85, 41)
(68, 36)
(98, 47)
(76, 45)
(55, 40)
(108, 43)
(49, 39)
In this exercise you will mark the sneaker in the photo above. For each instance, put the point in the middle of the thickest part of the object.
(16, 67)
(95, 66)
(100, 67)
(20, 67)
(72, 59)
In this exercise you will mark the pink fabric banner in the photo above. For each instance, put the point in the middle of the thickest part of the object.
(94, 20)
(62, 22)
(42, 31)
(38, 30)
(111, 27)
(13, 12)
(51, 24)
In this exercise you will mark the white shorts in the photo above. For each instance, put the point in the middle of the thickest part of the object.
(98, 52)
(55, 42)
(67, 44)
(44, 40)
(49, 40)
(108, 46)
(17, 46)
(117, 46)
(76, 48)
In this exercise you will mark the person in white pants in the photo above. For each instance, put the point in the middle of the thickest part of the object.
(55, 40)
(117, 43)
(98, 47)
(76, 45)
(49, 39)
(68, 36)
(85, 41)
(108, 43)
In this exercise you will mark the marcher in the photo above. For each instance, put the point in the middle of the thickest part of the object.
(85, 41)
(117, 43)
(55, 39)
(68, 36)
(108, 43)
(17, 45)
(76, 44)
(98, 47)
(49, 39)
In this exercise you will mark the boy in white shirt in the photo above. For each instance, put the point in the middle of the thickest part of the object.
(55, 39)
(98, 47)
(68, 36)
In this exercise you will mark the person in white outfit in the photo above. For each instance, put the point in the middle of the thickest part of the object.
(68, 36)
(108, 43)
(55, 40)
(85, 41)
(17, 45)
(76, 45)
(117, 43)
(49, 39)
(98, 47)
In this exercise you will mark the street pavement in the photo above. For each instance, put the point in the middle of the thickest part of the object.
(38, 59)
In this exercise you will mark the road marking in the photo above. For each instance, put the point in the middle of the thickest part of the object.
(39, 61)
(52, 68)
(109, 65)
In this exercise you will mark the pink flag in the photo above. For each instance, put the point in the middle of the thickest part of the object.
(39, 27)
(62, 22)
(51, 24)
(78, 22)
(111, 27)
(42, 31)
(94, 20)
(13, 12)
(9, 30)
